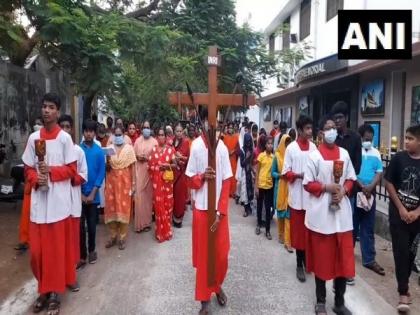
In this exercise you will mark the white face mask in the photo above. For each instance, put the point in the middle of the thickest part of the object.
(37, 127)
(330, 136)
(367, 145)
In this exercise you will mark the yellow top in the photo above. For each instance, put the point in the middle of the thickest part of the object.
(265, 181)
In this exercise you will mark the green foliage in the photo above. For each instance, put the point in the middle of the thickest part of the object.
(289, 60)
(130, 63)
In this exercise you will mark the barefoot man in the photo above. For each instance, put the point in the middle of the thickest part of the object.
(199, 173)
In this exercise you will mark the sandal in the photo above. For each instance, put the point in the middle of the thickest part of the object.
(288, 248)
(111, 242)
(204, 308)
(121, 245)
(146, 229)
(403, 304)
(221, 298)
(376, 268)
(40, 303)
(53, 304)
(320, 309)
(21, 246)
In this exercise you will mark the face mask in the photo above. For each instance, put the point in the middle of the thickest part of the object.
(330, 136)
(37, 127)
(367, 145)
(206, 125)
(146, 132)
(118, 140)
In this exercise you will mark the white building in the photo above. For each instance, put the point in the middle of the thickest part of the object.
(314, 22)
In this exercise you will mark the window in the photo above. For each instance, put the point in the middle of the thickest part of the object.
(305, 19)
(271, 43)
(332, 7)
(286, 33)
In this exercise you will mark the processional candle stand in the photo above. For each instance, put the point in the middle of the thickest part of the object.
(337, 173)
(41, 152)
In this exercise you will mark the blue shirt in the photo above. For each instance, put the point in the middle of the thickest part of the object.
(95, 159)
(371, 165)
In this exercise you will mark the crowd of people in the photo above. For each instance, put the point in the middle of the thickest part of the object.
(322, 196)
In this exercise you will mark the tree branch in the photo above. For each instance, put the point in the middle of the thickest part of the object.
(145, 11)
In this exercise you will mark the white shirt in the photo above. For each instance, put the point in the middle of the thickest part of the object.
(55, 204)
(295, 160)
(76, 191)
(197, 164)
(319, 217)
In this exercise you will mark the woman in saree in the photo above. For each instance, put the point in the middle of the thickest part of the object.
(161, 165)
(119, 188)
(281, 194)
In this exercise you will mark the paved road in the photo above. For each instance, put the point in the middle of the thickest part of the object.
(151, 278)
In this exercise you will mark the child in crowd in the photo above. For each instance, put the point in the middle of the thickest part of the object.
(403, 186)
(264, 187)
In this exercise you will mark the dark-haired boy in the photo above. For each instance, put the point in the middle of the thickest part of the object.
(50, 230)
(364, 212)
(66, 124)
(90, 196)
(403, 186)
(295, 159)
(349, 140)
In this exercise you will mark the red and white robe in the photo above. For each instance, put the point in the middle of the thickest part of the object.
(295, 159)
(76, 196)
(329, 246)
(51, 230)
(196, 167)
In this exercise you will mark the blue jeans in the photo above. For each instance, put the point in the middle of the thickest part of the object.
(364, 225)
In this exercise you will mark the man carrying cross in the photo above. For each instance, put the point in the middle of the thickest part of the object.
(209, 173)
(200, 174)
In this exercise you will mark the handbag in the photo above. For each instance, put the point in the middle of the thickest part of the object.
(168, 175)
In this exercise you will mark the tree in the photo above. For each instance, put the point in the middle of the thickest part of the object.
(289, 60)
(131, 59)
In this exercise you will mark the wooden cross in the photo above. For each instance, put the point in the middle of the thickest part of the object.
(213, 100)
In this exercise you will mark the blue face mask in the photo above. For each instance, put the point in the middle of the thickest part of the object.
(118, 140)
(146, 133)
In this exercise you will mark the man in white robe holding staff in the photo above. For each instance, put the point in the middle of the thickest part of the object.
(329, 177)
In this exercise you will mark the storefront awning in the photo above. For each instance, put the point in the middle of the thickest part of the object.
(352, 70)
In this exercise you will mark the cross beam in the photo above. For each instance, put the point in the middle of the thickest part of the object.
(213, 100)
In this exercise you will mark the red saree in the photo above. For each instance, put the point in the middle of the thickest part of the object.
(180, 182)
(163, 200)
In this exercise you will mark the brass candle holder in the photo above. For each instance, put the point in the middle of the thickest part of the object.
(337, 173)
(41, 152)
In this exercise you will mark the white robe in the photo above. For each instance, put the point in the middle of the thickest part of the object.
(76, 191)
(295, 160)
(319, 218)
(197, 164)
(55, 204)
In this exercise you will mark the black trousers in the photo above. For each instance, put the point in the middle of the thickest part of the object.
(321, 291)
(88, 218)
(265, 197)
(300, 257)
(404, 249)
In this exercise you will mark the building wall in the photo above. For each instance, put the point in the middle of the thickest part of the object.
(323, 33)
(412, 79)
(21, 92)
(365, 78)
